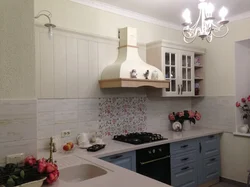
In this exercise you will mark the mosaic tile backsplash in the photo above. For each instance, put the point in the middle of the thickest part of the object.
(122, 115)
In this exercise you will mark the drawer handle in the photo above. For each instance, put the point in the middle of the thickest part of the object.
(212, 159)
(184, 159)
(186, 168)
(211, 137)
(184, 146)
(115, 157)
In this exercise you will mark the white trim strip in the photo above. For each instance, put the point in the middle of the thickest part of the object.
(238, 17)
(127, 13)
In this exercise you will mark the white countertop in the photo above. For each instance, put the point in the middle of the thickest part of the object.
(118, 176)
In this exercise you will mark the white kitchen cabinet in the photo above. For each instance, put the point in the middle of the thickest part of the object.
(177, 64)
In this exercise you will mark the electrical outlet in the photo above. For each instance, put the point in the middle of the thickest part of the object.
(15, 158)
(66, 133)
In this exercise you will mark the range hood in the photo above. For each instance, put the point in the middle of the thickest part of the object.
(129, 70)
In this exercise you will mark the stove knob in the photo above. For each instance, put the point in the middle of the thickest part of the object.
(160, 150)
(153, 150)
(149, 152)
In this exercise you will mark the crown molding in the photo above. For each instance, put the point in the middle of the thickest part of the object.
(238, 17)
(127, 13)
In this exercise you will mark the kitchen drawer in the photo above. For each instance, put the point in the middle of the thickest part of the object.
(211, 168)
(125, 160)
(210, 146)
(182, 159)
(185, 176)
(184, 146)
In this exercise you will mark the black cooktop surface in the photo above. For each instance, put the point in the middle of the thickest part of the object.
(139, 138)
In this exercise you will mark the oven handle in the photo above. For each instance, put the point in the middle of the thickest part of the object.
(155, 160)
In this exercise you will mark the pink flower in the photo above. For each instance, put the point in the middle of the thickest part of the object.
(30, 161)
(191, 114)
(51, 168)
(248, 98)
(243, 100)
(52, 177)
(41, 167)
(197, 116)
(181, 114)
(238, 104)
(42, 160)
(171, 117)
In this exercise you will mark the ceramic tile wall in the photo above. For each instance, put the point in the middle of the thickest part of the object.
(18, 127)
(86, 115)
(217, 112)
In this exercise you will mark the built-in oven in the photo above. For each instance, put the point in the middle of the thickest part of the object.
(154, 162)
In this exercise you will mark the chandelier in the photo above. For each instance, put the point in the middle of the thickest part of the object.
(207, 28)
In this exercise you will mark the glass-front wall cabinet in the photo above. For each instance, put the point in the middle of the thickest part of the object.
(179, 70)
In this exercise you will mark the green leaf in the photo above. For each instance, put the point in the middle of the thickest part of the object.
(22, 174)
(10, 182)
(14, 177)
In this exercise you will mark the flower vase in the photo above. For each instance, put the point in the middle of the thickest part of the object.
(186, 125)
(244, 129)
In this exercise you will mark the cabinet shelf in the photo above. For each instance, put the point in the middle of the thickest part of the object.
(198, 66)
(199, 78)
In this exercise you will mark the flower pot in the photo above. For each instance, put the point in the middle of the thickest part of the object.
(186, 125)
(243, 129)
(37, 183)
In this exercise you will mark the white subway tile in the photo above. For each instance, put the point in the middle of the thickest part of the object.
(45, 132)
(47, 105)
(16, 130)
(66, 105)
(45, 118)
(65, 117)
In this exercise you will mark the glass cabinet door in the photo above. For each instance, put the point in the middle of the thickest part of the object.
(187, 74)
(170, 58)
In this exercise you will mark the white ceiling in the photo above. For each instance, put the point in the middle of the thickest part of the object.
(171, 10)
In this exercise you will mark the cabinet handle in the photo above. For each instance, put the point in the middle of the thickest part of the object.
(186, 168)
(184, 146)
(212, 159)
(200, 147)
(178, 89)
(184, 159)
(115, 157)
(181, 89)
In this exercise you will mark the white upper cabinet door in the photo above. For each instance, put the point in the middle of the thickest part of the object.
(186, 73)
(170, 68)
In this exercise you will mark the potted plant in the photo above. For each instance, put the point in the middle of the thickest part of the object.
(243, 105)
(33, 173)
(185, 118)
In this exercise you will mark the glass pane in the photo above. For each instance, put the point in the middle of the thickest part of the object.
(167, 58)
(189, 61)
(167, 72)
(189, 86)
(173, 74)
(184, 86)
(189, 73)
(173, 86)
(184, 73)
(173, 59)
(183, 61)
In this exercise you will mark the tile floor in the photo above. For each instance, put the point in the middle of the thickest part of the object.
(223, 184)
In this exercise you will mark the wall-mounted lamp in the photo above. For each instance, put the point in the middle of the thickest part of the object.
(50, 26)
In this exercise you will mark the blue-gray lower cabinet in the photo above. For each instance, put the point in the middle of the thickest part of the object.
(209, 165)
(125, 160)
(195, 162)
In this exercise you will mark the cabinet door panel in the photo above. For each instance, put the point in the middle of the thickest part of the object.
(211, 168)
(185, 176)
(170, 68)
(187, 73)
(125, 160)
(210, 146)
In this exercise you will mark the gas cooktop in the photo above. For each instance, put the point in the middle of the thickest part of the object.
(139, 138)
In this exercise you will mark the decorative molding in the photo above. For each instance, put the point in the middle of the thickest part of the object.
(127, 13)
(143, 17)
(238, 17)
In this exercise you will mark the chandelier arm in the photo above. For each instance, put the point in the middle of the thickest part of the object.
(189, 42)
(197, 22)
(219, 29)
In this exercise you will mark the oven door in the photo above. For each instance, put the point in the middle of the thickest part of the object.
(158, 169)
